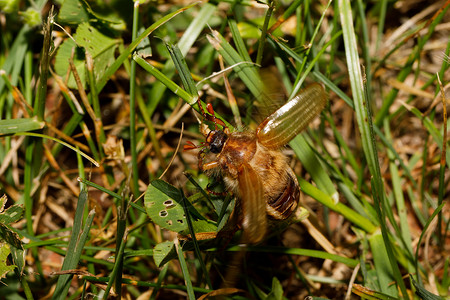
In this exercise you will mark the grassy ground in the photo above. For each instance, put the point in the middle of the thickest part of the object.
(99, 199)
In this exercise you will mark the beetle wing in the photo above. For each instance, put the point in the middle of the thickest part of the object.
(290, 119)
(253, 204)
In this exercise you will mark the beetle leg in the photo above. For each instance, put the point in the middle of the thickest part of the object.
(212, 116)
(210, 165)
(206, 166)
(211, 191)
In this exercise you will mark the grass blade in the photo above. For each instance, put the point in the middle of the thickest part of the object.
(75, 247)
(185, 270)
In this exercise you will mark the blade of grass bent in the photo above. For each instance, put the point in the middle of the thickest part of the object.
(61, 142)
(176, 89)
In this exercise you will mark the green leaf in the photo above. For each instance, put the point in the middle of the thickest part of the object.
(72, 12)
(9, 7)
(277, 290)
(163, 205)
(12, 214)
(253, 30)
(12, 239)
(32, 17)
(9, 236)
(202, 226)
(163, 253)
(99, 46)
(10, 126)
(76, 12)
(144, 49)
(4, 252)
(18, 258)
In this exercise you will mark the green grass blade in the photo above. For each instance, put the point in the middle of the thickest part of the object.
(296, 251)
(194, 240)
(62, 143)
(176, 89)
(364, 120)
(133, 116)
(187, 40)
(245, 69)
(185, 270)
(182, 68)
(116, 274)
(75, 247)
(342, 209)
(262, 39)
(313, 166)
(196, 26)
(11, 126)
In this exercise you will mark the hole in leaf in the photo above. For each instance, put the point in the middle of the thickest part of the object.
(168, 202)
(180, 221)
(163, 213)
(169, 222)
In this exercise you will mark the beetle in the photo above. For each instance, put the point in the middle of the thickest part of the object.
(252, 164)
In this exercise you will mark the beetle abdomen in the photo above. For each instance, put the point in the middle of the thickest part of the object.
(284, 204)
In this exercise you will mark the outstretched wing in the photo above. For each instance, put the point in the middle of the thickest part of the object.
(253, 205)
(290, 119)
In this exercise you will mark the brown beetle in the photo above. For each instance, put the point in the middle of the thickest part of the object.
(252, 164)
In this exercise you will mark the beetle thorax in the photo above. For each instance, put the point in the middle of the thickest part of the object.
(239, 148)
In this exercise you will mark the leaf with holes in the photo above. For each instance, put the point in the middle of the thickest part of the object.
(163, 203)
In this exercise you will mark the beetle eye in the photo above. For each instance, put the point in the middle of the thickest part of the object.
(217, 141)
